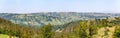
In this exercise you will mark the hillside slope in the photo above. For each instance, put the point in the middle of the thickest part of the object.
(39, 19)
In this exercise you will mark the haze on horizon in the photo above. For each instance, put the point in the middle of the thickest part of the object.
(29, 6)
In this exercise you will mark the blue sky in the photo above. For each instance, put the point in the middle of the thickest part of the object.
(28, 6)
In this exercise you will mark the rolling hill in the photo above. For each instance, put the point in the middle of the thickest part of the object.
(55, 18)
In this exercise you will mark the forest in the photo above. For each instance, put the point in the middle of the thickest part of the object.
(94, 28)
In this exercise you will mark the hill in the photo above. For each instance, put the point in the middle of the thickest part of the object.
(77, 29)
(9, 29)
(55, 18)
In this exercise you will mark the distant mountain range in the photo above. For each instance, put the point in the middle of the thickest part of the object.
(61, 18)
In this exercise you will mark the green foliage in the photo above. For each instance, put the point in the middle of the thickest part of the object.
(8, 28)
(82, 29)
(46, 31)
(117, 32)
(92, 28)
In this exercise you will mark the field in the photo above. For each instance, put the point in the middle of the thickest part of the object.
(5, 36)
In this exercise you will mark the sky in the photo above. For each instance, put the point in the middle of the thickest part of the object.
(32, 6)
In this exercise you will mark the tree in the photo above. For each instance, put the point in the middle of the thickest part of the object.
(83, 29)
(46, 31)
(92, 28)
(117, 32)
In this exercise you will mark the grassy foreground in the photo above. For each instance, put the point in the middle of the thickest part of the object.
(5, 36)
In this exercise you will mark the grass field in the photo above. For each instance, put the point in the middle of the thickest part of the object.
(5, 36)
